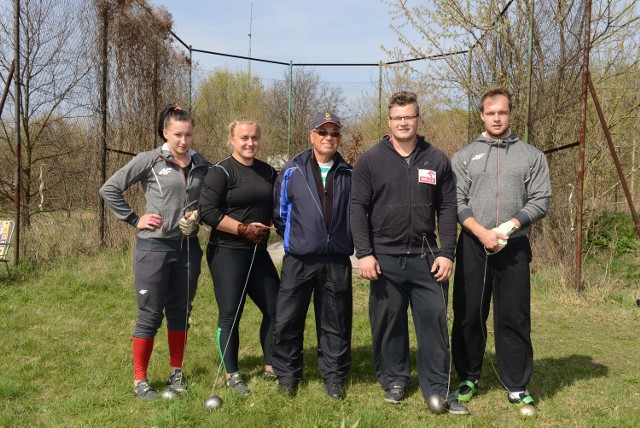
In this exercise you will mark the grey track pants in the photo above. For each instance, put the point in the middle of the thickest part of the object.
(162, 288)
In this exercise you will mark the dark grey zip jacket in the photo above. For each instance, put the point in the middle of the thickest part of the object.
(394, 206)
(166, 189)
(500, 179)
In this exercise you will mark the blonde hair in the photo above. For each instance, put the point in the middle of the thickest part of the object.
(242, 121)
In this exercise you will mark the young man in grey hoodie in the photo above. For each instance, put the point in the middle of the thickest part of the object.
(502, 188)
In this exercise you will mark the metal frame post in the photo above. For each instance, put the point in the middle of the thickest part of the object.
(583, 126)
(469, 107)
(527, 128)
(379, 100)
(18, 101)
(190, 77)
(104, 59)
(290, 109)
(614, 155)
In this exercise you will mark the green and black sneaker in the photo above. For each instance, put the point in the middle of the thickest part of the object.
(466, 390)
(522, 399)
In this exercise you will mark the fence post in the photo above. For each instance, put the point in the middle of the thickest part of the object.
(290, 109)
(7, 87)
(190, 76)
(469, 88)
(18, 99)
(379, 100)
(527, 129)
(583, 131)
(103, 116)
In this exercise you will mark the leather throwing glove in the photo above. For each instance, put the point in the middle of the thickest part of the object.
(506, 228)
(189, 225)
(251, 233)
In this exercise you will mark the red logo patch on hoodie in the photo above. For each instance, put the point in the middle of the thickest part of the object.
(426, 176)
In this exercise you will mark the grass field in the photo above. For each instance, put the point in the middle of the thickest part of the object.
(66, 360)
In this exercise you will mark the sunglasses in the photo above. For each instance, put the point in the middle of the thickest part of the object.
(323, 133)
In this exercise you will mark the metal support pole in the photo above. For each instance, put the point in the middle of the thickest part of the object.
(290, 109)
(103, 116)
(527, 129)
(379, 100)
(614, 155)
(18, 100)
(190, 76)
(7, 86)
(470, 86)
(583, 127)
(154, 94)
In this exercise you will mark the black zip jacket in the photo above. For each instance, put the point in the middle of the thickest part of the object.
(395, 205)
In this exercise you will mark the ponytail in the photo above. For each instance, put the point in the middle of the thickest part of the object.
(172, 112)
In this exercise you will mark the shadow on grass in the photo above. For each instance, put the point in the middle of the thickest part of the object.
(550, 375)
(361, 371)
(361, 367)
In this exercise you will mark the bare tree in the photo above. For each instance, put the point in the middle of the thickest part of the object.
(309, 97)
(53, 78)
(145, 72)
(493, 37)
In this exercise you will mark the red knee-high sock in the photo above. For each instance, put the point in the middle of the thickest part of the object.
(142, 349)
(177, 341)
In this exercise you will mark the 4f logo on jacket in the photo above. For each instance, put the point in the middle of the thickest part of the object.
(426, 176)
(165, 171)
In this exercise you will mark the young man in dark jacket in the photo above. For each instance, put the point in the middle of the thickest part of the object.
(312, 215)
(503, 187)
(401, 186)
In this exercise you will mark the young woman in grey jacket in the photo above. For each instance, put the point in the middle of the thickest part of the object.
(166, 261)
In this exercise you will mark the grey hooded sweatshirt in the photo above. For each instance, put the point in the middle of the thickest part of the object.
(497, 180)
(167, 190)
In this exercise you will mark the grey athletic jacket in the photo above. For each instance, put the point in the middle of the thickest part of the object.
(500, 179)
(166, 189)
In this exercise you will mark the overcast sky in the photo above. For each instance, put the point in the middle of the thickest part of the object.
(329, 31)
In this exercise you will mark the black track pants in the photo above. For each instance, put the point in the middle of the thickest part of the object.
(508, 281)
(407, 280)
(229, 268)
(329, 280)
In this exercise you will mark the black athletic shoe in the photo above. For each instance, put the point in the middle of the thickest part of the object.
(144, 391)
(236, 384)
(455, 408)
(395, 394)
(288, 389)
(334, 390)
(177, 381)
(269, 376)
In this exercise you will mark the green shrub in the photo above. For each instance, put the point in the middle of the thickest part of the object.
(613, 232)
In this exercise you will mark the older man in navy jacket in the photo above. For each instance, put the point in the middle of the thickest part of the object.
(312, 194)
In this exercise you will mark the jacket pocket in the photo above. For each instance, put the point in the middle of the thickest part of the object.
(422, 218)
